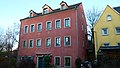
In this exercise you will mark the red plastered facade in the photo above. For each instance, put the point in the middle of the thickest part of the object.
(77, 33)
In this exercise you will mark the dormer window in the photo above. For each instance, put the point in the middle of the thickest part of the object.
(109, 17)
(31, 14)
(45, 11)
(62, 7)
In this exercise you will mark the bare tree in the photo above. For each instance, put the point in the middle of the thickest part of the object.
(92, 17)
(8, 39)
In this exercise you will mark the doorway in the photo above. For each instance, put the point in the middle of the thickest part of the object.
(40, 62)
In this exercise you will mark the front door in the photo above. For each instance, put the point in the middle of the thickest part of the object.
(40, 62)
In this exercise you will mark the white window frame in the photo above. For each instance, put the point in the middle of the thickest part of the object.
(33, 29)
(116, 30)
(69, 24)
(46, 42)
(41, 27)
(40, 42)
(32, 43)
(27, 29)
(55, 60)
(55, 41)
(50, 25)
(25, 44)
(70, 61)
(109, 17)
(56, 23)
(64, 41)
(103, 33)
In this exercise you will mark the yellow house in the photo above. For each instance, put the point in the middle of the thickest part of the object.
(107, 28)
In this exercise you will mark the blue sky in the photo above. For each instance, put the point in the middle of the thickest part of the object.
(14, 10)
(11, 11)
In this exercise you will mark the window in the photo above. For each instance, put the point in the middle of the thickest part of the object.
(31, 43)
(49, 26)
(45, 11)
(104, 31)
(67, 61)
(57, 41)
(31, 14)
(22, 58)
(30, 57)
(67, 22)
(32, 28)
(117, 30)
(67, 41)
(62, 7)
(39, 28)
(57, 24)
(48, 42)
(82, 27)
(109, 17)
(24, 44)
(38, 43)
(26, 29)
(57, 60)
(118, 44)
(106, 44)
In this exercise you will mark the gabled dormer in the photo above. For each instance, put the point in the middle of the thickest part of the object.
(32, 13)
(63, 5)
(46, 9)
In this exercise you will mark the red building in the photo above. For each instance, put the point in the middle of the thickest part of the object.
(60, 33)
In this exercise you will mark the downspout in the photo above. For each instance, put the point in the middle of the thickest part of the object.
(77, 31)
(96, 48)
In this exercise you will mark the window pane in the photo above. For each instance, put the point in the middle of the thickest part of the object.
(62, 7)
(58, 24)
(58, 41)
(48, 42)
(104, 31)
(49, 25)
(57, 61)
(39, 27)
(67, 22)
(67, 41)
(109, 17)
(67, 61)
(26, 29)
(38, 43)
(24, 44)
(31, 43)
(45, 11)
(118, 30)
(32, 28)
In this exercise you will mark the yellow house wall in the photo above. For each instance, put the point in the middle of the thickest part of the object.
(112, 38)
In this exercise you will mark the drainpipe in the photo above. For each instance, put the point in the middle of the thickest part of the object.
(77, 29)
(96, 42)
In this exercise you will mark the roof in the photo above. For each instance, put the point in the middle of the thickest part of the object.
(55, 11)
(117, 9)
(110, 48)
